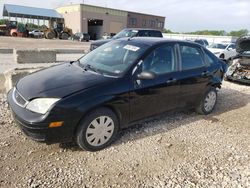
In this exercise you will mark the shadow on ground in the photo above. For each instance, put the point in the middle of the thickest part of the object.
(228, 100)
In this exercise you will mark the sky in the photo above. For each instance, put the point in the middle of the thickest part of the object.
(181, 15)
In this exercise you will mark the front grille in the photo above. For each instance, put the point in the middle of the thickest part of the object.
(19, 99)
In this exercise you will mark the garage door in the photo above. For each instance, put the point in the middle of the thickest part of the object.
(115, 27)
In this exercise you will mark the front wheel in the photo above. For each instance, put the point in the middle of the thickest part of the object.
(97, 130)
(208, 102)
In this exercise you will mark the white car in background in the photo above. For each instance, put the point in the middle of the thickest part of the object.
(223, 50)
(36, 33)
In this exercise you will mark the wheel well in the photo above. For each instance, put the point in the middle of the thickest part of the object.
(115, 111)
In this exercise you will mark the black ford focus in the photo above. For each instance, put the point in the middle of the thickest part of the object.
(88, 101)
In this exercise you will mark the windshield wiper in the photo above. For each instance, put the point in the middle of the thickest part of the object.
(90, 67)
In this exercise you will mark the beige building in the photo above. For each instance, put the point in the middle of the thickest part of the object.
(99, 20)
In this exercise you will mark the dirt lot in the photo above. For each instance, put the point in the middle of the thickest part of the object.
(31, 43)
(179, 149)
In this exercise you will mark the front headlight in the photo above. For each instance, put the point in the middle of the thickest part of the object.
(41, 105)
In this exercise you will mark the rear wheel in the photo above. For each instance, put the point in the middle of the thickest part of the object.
(97, 130)
(208, 102)
(222, 56)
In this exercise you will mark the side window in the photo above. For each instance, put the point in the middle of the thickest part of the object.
(232, 46)
(143, 33)
(210, 58)
(160, 61)
(191, 57)
(155, 34)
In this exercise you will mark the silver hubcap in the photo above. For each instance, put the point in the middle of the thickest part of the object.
(100, 130)
(210, 101)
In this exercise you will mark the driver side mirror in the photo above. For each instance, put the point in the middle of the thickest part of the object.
(229, 49)
(146, 75)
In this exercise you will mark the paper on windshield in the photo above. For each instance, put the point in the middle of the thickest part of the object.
(131, 48)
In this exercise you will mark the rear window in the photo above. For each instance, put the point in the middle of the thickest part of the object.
(149, 33)
(191, 57)
(156, 34)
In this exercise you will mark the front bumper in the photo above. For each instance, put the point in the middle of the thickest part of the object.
(36, 126)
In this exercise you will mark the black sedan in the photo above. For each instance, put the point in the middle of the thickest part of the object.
(108, 89)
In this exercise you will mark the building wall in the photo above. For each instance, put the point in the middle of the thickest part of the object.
(138, 20)
(72, 17)
(77, 16)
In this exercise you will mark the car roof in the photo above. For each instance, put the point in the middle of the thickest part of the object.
(151, 41)
(150, 29)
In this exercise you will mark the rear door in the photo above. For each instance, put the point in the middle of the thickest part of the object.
(150, 97)
(195, 75)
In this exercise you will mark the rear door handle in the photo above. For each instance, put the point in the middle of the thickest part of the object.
(171, 80)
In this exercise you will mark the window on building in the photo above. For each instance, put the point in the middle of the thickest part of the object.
(152, 23)
(144, 22)
(132, 21)
(160, 24)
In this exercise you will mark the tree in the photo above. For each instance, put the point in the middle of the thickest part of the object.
(239, 33)
(168, 31)
(209, 32)
(3, 21)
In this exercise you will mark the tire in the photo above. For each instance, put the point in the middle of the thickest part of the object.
(88, 135)
(208, 102)
(14, 34)
(64, 36)
(222, 56)
(50, 35)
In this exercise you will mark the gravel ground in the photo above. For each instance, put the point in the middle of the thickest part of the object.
(180, 149)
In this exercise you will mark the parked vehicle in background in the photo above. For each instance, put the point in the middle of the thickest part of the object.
(36, 33)
(202, 42)
(81, 37)
(114, 86)
(128, 33)
(5, 29)
(239, 71)
(223, 50)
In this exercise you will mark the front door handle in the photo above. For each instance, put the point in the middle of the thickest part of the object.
(171, 80)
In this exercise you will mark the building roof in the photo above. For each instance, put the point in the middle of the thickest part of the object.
(87, 5)
(30, 12)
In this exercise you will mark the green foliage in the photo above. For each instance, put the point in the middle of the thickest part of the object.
(209, 32)
(239, 33)
(3, 21)
(168, 31)
(33, 26)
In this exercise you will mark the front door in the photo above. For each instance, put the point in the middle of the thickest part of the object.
(150, 97)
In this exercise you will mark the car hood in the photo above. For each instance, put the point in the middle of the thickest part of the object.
(58, 82)
(100, 42)
(215, 50)
(243, 44)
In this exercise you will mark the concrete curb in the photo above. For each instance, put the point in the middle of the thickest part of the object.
(6, 51)
(58, 51)
(70, 51)
(13, 76)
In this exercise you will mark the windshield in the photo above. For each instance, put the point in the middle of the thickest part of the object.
(125, 33)
(219, 46)
(113, 58)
